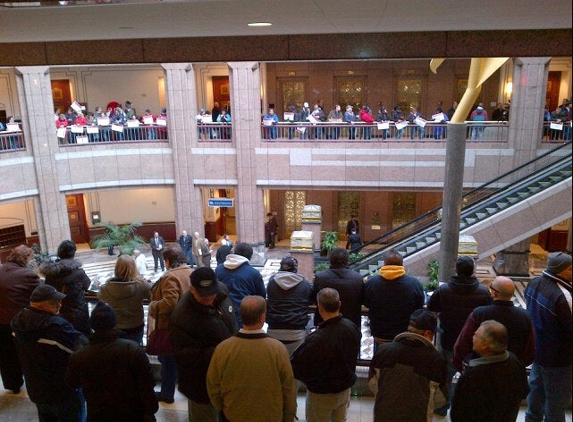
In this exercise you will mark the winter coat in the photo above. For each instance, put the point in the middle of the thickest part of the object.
(289, 295)
(167, 291)
(126, 298)
(16, 285)
(67, 276)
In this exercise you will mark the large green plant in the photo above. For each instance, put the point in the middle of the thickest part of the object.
(329, 241)
(433, 274)
(123, 237)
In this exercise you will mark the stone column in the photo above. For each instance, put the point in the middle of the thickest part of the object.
(182, 129)
(245, 87)
(36, 104)
(452, 204)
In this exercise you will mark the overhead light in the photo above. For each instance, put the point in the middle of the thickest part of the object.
(259, 24)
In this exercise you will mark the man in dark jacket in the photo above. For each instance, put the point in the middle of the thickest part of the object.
(516, 320)
(114, 373)
(67, 276)
(346, 282)
(455, 301)
(408, 375)
(45, 341)
(326, 361)
(202, 319)
(391, 296)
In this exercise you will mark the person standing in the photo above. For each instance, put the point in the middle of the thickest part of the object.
(157, 244)
(140, 262)
(165, 294)
(44, 341)
(17, 282)
(240, 277)
(196, 247)
(224, 250)
(355, 241)
(326, 361)
(352, 225)
(129, 398)
(454, 301)
(250, 378)
(202, 319)
(410, 363)
(67, 276)
(493, 385)
(186, 242)
(391, 297)
(346, 282)
(206, 252)
(516, 321)
(271, 228)
(289, 295)
(548, 300)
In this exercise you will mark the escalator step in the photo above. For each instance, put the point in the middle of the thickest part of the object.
(439, 235)
(523, 194)
(430, 240)
(420, 245)
(501, 205)
(492, 210)
(410, 249)
(512, 199)
(481, 215)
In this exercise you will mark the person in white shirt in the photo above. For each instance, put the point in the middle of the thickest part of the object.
(140, 262)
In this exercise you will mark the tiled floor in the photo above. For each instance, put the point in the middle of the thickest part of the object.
(18, 408)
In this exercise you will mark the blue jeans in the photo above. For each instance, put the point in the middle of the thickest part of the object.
(168, 375)
(549, 395)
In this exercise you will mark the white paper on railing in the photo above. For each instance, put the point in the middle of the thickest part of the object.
(117, 128)
(556, 126)
(161, 122)
(148, 120)
(268, 122)
(132, 123)
(383, 125)
(313, 119)
(82, 139)
(335, 120)
(207, 118)
(401, 125)
(420, 122)
(92, 130)
(76, 106)
(77, 129)
(61, 132)
(103, 121)
(301, 129)
(438, 117)
(288, 116)
(12, 127)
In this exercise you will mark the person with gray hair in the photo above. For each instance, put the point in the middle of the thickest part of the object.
(493, 385)
(326, 361)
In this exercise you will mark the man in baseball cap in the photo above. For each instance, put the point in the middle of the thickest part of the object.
(46, 292)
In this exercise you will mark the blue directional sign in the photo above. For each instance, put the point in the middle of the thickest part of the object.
(221, 202)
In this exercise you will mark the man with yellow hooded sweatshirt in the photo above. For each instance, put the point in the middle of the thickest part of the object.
(391, 296)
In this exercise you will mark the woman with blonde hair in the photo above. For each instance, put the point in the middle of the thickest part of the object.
(125, 293)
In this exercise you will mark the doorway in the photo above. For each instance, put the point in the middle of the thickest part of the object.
(61, 95)
(77, 218)
(221, 92)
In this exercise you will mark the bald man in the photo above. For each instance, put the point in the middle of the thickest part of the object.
(516, 320)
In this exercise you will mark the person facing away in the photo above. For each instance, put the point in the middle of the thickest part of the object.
(326, 361)
(289, 295)
(17, 282)
(157, 244)
(548, 299)
(186, 243)
(391, 296)
(346, 282)
(355, 241)
(44, 341)
(202, 319)
(352, 225)
(125, 293)
(130, 397)
(408, 376)
(250, 378)
(493, 385)
(196, 248)
(224, 250)
(454, 301)
(516, 320)
(240, 277)
(67, 276)
(140, 262)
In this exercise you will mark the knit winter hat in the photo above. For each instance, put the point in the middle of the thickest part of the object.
(288, 263)
(557, 262)
(465, 265)
(424, 320)
(103, 317)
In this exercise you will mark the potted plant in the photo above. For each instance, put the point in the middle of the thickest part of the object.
(433, 274)
(329, 241)
(123, 237)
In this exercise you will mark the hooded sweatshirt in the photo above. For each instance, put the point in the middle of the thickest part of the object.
(126, 298)
(241, 279)
(289, 295)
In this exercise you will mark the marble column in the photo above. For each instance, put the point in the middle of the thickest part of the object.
(36, 104)
(245, 88)
(182, 130)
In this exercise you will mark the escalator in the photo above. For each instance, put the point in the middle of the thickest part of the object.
(499, 213)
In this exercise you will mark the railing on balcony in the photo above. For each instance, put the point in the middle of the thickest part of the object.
(214, 131)
(74, 135)
(12, 141)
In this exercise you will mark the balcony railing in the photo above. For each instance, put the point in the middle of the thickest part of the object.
(12, 141)
(214, 131)
(74, 135)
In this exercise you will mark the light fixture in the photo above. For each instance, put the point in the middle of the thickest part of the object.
(259, 24)
(508, 88)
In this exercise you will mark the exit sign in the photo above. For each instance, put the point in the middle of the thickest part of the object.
(221, 202)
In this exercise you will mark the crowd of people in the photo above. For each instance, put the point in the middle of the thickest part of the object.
(231, 369)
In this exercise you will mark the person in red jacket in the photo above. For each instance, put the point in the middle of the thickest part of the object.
(366, 117)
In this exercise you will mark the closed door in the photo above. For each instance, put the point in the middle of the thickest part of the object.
(77, 218)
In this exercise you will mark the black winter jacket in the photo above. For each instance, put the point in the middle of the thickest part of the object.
(195, 330)
(289, 295)
(67, 276)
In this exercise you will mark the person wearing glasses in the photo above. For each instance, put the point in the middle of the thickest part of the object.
(516, 320)
(493, 385)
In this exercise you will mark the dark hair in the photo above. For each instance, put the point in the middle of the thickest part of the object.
(252, 307)
(175, 256)
(329, 299)
(339, 258)
(393, 258)
(67, 249)
(243, 249)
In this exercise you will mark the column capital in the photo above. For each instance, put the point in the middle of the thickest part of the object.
(187, 67)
